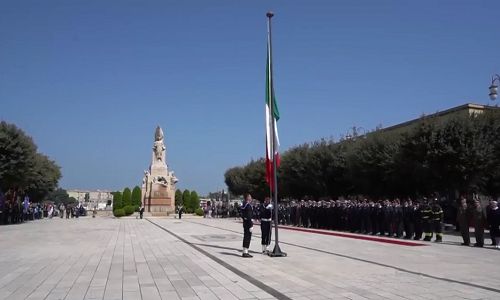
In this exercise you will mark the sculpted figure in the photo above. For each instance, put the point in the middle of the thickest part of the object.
(158, 151)
(160, 180)
(158, 134)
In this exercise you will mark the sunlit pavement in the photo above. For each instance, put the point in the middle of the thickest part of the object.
(105, 258)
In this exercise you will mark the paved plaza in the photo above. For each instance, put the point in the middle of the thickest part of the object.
(193, 259)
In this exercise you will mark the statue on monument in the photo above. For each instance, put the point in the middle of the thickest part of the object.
(160, 180)
(145, 178)
(159, 147)
(173, 179)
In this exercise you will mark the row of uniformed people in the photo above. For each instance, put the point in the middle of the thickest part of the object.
(408, 219)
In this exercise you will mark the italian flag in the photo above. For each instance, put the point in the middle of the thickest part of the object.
(272, 141)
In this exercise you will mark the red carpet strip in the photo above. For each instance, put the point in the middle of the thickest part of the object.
(370, 238)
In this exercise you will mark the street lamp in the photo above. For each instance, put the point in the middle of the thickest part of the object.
(354, 132)
(493, 87)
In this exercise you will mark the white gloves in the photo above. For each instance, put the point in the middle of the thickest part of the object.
(269, 206)
(251, 228)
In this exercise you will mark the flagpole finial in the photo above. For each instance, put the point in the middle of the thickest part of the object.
(270, 14)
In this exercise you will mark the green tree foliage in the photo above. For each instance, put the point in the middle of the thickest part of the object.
(194, 200)
(460, 153)
(136, 196)
(126, 197)
(178, 197)
(60, 196)
(186, 198)
(117, 200)
(21, 167)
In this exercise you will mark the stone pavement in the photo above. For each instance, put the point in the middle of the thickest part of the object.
(168, 259)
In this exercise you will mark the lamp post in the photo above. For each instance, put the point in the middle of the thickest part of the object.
(354, 132)
(494, 87)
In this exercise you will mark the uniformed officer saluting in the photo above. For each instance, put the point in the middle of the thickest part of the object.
(247, 214)
(266, 209)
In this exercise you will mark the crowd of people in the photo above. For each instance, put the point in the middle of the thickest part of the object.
(407, 219)
(14, 214)
(22, 212)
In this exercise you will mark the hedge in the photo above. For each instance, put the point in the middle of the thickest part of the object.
(129, 209)
(119, 212)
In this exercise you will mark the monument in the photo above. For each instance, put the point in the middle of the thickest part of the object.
(158, 184)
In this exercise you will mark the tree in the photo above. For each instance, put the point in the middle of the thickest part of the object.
(186, 198)
(178, 197)
(234, 178)
(22, 169)
(126, 197)
(434, 155)
(43, 178)
(136, 196)
(17, 156)
(194, 200)
(60, 196)
(117, 200)
(489, 125)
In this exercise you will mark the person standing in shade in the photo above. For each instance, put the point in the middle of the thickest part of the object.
(493, 216)
(488, 212)
(266, 210)
(247, 214)
(463, 221)
(479, 216)
(181, 210)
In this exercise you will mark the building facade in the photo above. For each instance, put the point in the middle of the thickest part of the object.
(92, 199)
(462, 110)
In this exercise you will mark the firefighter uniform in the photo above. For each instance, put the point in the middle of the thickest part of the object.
(426, 221)
(437, 221)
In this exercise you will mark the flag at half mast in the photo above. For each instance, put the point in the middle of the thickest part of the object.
(272, 140)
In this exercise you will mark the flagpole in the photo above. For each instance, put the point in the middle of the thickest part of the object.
(277, 250)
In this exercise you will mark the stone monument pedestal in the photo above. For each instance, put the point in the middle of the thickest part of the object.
(158, 184)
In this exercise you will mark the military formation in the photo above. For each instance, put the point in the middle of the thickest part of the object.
(393, 218)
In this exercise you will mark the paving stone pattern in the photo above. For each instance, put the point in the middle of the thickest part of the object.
(133, 259)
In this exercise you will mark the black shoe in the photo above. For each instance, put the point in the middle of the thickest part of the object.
(465, 244)
(478, 245)
(247, 255)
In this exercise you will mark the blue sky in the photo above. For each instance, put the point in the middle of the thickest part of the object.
(90, 80)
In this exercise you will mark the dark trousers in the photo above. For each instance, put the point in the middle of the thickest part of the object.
(180, 215)
(265, 229)
(465, 233)
(417, 227)
(140, 214)
(438, 229)
(398, 227)
(247, 236)
(426, 226)
(407, 228)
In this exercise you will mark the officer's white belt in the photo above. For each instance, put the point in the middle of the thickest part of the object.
(265, 220)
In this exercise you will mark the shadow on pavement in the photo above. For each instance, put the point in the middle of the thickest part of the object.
(230, 254)
(223, 248)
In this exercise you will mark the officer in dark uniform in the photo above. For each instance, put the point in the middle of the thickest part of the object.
(247, 214)
(408, 219)
(437, 221)
(417, 220)
(398, 219)
(266, 212)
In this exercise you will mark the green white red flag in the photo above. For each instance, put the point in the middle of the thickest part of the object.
(272, 140)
